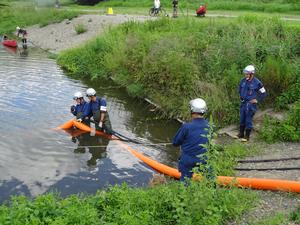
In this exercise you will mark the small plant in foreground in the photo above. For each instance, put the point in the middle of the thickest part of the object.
(80, 28)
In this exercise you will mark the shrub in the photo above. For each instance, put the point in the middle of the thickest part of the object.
(288, 130)
(276, 76)
(80, 28)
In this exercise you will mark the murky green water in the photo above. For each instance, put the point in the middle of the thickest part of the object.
(35, 96)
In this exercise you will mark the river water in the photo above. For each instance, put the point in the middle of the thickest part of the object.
(35, 97)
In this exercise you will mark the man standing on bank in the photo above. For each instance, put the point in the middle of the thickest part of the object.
(251, 92)
(191, 137)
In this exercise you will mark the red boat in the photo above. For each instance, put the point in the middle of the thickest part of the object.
(10, 43)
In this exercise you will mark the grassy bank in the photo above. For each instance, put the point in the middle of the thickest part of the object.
(173, 61)
(19, 13)
(270, 6)
(167, 204)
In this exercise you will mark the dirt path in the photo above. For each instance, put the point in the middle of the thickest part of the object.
(270, 203)
(61, 36)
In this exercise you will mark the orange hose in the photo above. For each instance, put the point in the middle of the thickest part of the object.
(66, 125)
(254, 183)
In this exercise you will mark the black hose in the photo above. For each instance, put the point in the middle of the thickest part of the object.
(265, 169)
(267, 160)
(125, 138)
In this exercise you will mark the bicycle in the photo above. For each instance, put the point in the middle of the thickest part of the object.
(157, 12)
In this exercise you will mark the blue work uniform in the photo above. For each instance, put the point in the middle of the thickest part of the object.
(94, 109)
(249, 90)
(191, 136)
(79, 109)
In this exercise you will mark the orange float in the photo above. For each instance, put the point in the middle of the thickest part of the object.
(254, 183)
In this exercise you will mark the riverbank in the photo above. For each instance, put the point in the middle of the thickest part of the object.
(147, 52)
(61, 36)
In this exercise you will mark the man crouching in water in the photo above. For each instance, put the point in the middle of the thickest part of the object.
(78, 109)
(97, 108)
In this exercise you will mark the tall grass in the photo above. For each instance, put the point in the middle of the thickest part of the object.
(166, 204)
(172, 61)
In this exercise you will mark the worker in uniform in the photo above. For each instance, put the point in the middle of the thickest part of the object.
(97, 108)
(78, 109)
(251, 92)
(191, 137)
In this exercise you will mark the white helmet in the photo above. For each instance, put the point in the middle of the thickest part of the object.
(18, 28)
(249, 69)
(90, 92)
(77, 95)
(198, 105)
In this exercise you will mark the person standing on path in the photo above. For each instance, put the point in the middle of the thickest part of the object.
(175, 8)
(191, 137)
(251, 91)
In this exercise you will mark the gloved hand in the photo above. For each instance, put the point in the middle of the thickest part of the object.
(79, 120)
(100, 124)
(72, 108)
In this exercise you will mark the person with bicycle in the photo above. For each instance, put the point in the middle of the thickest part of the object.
(156, 6)
(175, 7)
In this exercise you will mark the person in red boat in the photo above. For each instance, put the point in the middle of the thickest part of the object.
(201, 11)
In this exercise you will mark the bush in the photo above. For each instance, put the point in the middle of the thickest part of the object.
(80, 28)
(276, 76)
(288, 130)
(288, 97)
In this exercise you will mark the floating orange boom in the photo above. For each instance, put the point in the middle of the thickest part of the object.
(254, 183)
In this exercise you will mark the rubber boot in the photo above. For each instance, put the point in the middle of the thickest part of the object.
(241, 133)
(247, 136)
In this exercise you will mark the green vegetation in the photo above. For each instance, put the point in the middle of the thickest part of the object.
(24, 14)
(278, 6)
(173, 61)
(295, 216)
(166, 204)
(280, 218)
(288, 130)
(80, 28)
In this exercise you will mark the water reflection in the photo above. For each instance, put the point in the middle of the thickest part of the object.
(95, 145)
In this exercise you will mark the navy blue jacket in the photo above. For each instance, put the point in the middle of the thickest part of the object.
(190, 137)
(253, 89)
(99, 104)
(80, 108)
